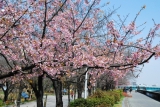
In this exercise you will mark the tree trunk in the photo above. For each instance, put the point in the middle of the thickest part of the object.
(98, 84)
(5, 91)
(89, 91)
(39, 94)
(57, 84)
(19, 94)
(79, 87)
(79, 92)
(68, 94)
(40, 101)
(74, 93)
(38, 90)
(89, 87)
(5, 95)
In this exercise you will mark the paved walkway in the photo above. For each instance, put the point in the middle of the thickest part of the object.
(51, 102)
(139, 100)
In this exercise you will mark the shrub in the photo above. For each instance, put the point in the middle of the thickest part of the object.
(99, 99)
(104, 105)
(98, 94)
(92, 102)
(78, 103)
(116, 96)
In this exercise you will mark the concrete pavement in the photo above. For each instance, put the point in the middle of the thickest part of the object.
(139, 100)
(51, 102)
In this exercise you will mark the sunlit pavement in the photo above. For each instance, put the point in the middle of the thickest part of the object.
(51, 102)
(139, 100)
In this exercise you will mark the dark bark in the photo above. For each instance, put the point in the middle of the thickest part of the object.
(38, 90)
(9, 74)
(109, 85)
(89, 91)
(6, 92)
(79, 87)
(68, 94)
(5, 96)
(39, 94)
(39, 101)
(74, 93)
(89, 87)
(57, 84)
(98, 83)
(19, 94)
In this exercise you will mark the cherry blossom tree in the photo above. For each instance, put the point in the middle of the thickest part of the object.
(57, 38)
(114, 55)
(38, 36)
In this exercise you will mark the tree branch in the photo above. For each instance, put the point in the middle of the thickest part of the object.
(6, 60)
(13, 24)
(85, 17)
(45, 17)
(54, 14)
(123, 65)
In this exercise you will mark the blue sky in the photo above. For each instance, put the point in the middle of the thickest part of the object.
(151, 72)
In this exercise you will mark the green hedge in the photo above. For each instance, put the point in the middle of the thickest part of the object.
(99, 99)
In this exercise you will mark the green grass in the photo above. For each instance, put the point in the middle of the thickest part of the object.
(1, 103)
(12, 103)
(119, 104)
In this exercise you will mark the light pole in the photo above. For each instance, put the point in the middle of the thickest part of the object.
(85, 89)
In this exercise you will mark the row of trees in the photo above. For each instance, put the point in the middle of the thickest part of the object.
(64, 39)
